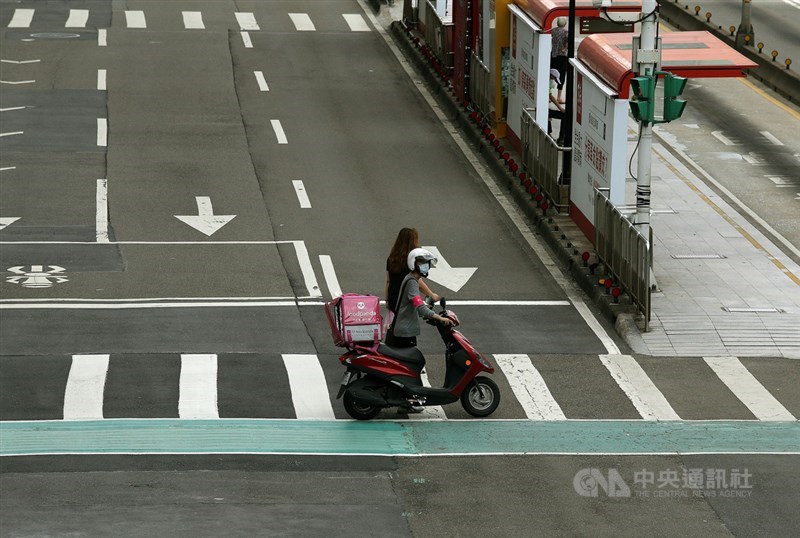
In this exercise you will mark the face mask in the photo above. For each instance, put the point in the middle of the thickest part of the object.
(424, 268)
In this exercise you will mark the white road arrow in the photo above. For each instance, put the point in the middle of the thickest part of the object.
(6, 221)
(452, 278)
(205, 221)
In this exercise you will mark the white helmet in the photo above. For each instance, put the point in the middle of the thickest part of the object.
(422, 255)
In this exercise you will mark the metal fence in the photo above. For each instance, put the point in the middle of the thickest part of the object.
(542, 158)
(479, 85)
(624, 251)
(438, 35)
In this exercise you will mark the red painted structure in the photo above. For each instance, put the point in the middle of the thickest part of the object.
(688, 54)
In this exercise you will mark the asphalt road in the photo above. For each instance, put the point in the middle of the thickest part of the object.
(775, 23)
(113, 139)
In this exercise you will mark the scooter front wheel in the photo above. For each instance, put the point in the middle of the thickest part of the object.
(481, 397)
(357, 410)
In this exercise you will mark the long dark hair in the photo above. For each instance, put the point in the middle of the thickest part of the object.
(407, 240)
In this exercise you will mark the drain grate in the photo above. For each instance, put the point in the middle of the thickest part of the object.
(737, 310)
(698, 256)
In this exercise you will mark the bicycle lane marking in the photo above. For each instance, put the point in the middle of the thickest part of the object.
(397, 438)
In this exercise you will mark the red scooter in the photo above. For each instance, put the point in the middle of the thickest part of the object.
(379, 376)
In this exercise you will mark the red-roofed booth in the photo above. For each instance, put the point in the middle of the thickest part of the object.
(602, 70)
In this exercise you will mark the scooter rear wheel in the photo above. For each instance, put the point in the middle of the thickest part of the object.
(359, 411)
(481, 397)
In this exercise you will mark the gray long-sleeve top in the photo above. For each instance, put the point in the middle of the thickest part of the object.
(412, 307)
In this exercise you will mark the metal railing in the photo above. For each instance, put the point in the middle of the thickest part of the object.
(439, 37)
(624, 251)
(542, 158)
(479, 85)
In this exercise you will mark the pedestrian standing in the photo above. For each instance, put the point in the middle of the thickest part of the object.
(558, 54)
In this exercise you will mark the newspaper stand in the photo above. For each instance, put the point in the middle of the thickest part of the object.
(355, 319)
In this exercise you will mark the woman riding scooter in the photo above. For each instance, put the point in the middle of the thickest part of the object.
(411, 307)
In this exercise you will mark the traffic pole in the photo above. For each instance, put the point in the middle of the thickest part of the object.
(647, 56)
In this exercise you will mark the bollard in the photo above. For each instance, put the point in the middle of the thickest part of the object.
(615, 293)
(788, 63)
(760, 46)
(697, 10)
(774, 55)
(708, 16)
(585, 258)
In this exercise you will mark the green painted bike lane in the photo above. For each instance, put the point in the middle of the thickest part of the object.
(395, 438)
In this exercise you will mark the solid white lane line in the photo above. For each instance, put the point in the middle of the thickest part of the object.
(77, 18)
(279, 134)
(102, 211)
(17, 81)
(302, 195)
(102, 132)
(12, 133)
(309, 277)
(747, 388)
(83, 396)
(102, 39)
(193, 20)
(19, 62)
(308, 386)
(247, 21)
(529, 388)
(262, 82)
(640, 389)
(248, 44)
(772, 138)
(22, 18)
(198, 386)
(356, 22)
(302, 22)
(330, 276)
(101, 79)
(3, 169)
(135, 19)
(12, 108)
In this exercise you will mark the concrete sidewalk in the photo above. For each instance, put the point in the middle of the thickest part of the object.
(723, 287)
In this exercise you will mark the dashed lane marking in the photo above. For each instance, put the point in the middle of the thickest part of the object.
(279, 134)
(262, 82)
(193, 20)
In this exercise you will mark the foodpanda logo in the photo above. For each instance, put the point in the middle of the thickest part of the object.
(361, 305)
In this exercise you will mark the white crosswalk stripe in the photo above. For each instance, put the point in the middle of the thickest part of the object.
(529, 388)
(199, 378)
(640, 389)
(302, 22)
(747, 388)
(22, 18)
(198, 386)
(135, 19)
(247, 21)
(77, 18)
(83, 396)
(356, 22)
(193, 20)
(309, 388)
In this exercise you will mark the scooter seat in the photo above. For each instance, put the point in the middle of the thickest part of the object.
(410, 355)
